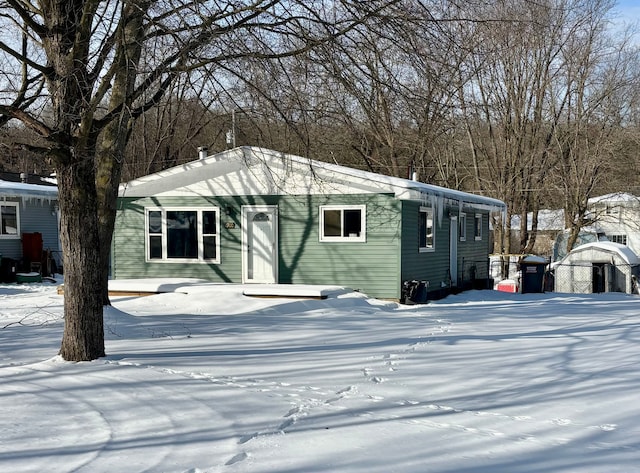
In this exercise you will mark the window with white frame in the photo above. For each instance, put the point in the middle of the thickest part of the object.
(9, 220)
(622, 239)
(346, 223)
(477, 227)
(462, 230)
(183, 234)
(612, 209)
(426, 230)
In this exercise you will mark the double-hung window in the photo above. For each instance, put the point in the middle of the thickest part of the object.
(462, 231)
(477, 227)
(426, 229)
(346, 223)
(183, 234)
(9, 220)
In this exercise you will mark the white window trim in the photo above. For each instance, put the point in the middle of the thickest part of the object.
(618, 238)
(199, 211)
(462, 227)
(11, 236)
(475, 226)
(363, 224)
(432, 248)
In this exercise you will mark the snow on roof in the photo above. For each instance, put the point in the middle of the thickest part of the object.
(406, 183)
(548, 220)
(28, 191)
(616, 197)
(224, 162)
(534, 259)
(623, 251)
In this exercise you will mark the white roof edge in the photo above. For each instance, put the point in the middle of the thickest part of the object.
(248, 152)
(29, 191)
(623, 251)
(399, 182)
(614, 197)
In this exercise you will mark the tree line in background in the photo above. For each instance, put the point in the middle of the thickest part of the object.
(534, 102)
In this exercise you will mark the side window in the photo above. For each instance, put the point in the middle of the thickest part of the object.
(9, 220)
(176, 234)
(343, 223)
(477, 227)
(426, 236)
(154, 234)
(462, 231)
(210, 234)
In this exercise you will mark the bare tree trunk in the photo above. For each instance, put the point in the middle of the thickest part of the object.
(83, 337)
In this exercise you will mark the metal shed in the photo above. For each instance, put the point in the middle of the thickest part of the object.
(597, 267)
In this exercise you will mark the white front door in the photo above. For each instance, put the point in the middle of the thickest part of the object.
(453, 251)
(259, 244)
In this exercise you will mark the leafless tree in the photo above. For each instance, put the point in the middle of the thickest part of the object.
(79, 72)
(528, 60)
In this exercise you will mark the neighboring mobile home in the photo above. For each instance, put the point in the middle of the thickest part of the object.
(28, 224)
(252, 215)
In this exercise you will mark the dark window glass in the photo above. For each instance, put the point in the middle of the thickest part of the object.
(209, 223)
(9, 220)
(182, 235)
(155, 247)
(426, 230)
(332, 225)
(209, 247)
(352, 223)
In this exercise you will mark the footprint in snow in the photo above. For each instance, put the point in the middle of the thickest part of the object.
(237, 458)
(561, 421)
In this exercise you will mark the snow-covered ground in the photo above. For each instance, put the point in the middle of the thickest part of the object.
(204, 379)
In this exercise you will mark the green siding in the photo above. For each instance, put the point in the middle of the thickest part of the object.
(433, 266)
(473, 255)
(376, 267)
(371, 266)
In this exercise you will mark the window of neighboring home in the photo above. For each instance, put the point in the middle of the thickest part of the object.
(463, 227)
(477, 227)
(343, 223)
(622, 239)
(180, 234)
(9, 220)
(426, 235)
(612, 209)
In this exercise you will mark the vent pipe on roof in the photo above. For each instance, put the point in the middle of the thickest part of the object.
(202, 152)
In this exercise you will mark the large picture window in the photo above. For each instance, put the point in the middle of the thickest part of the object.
(180, 234)
(426, 235)
(343, 223)
(9, 220)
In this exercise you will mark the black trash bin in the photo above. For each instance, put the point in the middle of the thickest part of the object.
(532, 270)
(8, 269)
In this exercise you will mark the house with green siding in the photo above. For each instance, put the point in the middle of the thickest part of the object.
(254, 215)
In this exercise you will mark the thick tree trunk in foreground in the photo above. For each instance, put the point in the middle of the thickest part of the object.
(83, 338)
